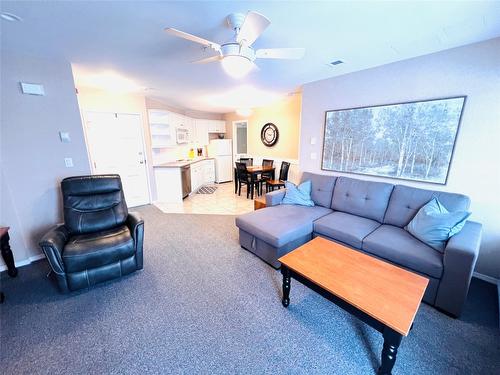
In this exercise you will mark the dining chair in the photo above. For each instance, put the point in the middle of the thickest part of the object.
(247, 161)
(244, 178)
(267, 175)
(272, 184)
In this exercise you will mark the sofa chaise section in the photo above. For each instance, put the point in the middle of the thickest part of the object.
(274, 231)
(278, 229)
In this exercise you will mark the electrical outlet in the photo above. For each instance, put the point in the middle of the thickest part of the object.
(68, 162)
(313, 156)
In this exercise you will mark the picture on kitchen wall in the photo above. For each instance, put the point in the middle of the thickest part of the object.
(412, 141)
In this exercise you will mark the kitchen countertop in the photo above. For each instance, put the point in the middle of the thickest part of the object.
(181, 163)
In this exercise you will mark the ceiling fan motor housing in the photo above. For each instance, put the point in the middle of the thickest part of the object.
(235, 49)
(235, 20)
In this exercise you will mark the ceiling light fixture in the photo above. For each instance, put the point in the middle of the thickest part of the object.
(237, 66)
(10, 17)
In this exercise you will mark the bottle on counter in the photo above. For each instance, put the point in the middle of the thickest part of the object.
(191, 153)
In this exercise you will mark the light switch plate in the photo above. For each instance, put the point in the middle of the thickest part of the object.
(313, 140)
(64, 137)
(68, 162)
(32, 89)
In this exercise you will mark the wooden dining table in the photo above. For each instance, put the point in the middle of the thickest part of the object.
(254, 171)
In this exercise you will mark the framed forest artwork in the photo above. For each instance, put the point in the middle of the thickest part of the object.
(411, 141)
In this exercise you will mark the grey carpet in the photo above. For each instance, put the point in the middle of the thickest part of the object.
(203, 305)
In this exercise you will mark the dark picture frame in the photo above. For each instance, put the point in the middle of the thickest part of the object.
(413, 140)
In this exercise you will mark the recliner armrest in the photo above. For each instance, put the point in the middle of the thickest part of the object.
(459, 260)
(274, 198)
(52, 244)
(135, 224)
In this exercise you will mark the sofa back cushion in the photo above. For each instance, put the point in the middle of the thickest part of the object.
(322, 188)
(363, 198)
(406, 201)
(93, 203)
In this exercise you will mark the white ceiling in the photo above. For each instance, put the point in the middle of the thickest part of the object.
(128, 39)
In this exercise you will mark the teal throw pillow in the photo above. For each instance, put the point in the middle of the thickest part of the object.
(434, 224)
(298, 195)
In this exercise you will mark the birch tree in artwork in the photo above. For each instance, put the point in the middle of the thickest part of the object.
(411, 140)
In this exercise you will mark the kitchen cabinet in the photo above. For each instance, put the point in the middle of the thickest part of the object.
(209, 171)
(196, 176)
(202, 173)
(201, 132)
(161, 129)
(216, 126)
(168, 185)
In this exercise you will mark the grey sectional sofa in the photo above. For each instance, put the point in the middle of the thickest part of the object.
(370, 217)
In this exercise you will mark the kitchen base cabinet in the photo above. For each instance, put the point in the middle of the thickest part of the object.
(168, 185)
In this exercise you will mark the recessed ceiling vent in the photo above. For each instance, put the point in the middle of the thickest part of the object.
(336, 62)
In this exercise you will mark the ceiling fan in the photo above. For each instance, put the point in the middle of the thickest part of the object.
(237, 56)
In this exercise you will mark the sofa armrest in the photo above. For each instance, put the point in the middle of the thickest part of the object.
(135, 224)
(52, 244)
(274, 198)
(459, 260)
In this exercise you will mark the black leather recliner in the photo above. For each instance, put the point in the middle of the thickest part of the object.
(99, 240)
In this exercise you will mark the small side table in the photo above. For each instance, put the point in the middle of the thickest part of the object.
(7, 256)
(259, 202)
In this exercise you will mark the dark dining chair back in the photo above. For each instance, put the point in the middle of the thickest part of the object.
(285, 166)
(267, 163)
(247, 161)
(241, 171)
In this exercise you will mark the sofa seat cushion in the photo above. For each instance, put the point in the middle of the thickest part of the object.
(281, 224)
(400, 247)
(97, 249)
(346, 228)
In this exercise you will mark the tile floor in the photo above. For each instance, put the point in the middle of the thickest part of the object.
(222, 202)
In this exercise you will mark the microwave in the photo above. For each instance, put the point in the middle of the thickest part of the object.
(182, 135)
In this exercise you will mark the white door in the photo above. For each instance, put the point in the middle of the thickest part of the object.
(240, 149)
(116, 146)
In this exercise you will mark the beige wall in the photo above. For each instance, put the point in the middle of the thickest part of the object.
(285, 114)
(32, 155)
(470, 70)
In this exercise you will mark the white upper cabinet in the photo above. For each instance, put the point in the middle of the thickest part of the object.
(163, 125)
(216, 126)
(201, 132)
(161, 128)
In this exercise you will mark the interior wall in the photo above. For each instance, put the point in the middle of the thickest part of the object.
(470, 70)
(285, 114)
(32, 155)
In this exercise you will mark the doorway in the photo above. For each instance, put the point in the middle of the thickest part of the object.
(240, 139)
(115, 144)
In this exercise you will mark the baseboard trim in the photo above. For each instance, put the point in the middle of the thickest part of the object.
(488, 279)
(24, 262)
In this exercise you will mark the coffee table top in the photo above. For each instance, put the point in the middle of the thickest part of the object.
(387, 293)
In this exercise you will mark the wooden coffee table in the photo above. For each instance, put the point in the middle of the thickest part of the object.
(383, 296)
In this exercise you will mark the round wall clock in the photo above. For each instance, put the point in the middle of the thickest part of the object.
(269, 134)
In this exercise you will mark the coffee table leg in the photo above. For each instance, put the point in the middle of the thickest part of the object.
(286, 286)
(392, 340)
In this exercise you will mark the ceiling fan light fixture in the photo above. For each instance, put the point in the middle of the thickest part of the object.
(237, 66)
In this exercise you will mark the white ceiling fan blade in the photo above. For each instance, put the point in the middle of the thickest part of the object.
(192, 38)
(254, 25)
(207, 60)
(280, 53)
